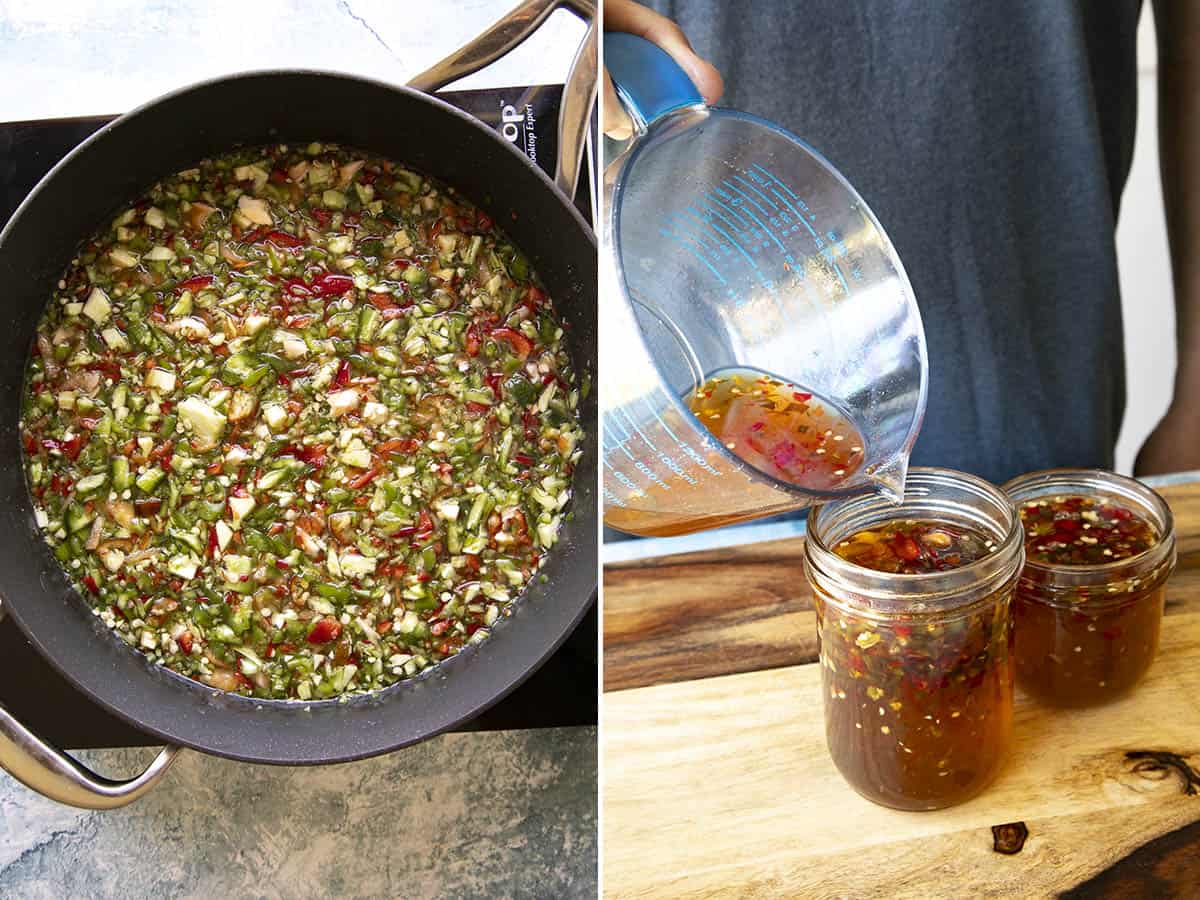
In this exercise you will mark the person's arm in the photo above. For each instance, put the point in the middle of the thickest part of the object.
(1174, 445)
(625, 15)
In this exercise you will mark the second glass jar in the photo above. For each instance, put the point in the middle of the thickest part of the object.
(1086, 632)
(917, 669)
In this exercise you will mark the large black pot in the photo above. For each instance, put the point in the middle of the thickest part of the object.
(85, 190)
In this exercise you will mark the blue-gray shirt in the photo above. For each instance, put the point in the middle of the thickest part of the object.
(993, 140)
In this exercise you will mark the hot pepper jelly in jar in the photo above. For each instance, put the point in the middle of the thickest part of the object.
(915, 636)
(1099, 548)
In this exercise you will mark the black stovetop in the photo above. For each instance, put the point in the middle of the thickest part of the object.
(561, 692)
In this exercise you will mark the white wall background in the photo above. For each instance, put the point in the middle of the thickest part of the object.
(1147, 297)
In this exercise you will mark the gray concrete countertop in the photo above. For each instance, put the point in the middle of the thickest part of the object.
(500, 814)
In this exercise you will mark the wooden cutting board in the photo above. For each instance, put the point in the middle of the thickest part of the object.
(717, 780)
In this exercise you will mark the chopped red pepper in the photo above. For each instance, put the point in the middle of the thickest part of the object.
(324, 631)
(330, 285)
(520, 344)
(195, 283)
(342, 378)
(396, 445)
(364, 479)
(424, 525)
(283, 239)
(472, 340)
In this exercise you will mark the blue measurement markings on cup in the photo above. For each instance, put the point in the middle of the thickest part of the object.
(746, 216)
(619, 426)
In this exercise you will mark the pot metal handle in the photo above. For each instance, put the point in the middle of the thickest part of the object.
(579, 94)
(43, 768)
(50, 772)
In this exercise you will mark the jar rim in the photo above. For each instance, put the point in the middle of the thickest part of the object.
(1089, 482)
(930, 591)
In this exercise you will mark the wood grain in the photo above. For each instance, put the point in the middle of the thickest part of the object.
(723, 786)
(743, 609)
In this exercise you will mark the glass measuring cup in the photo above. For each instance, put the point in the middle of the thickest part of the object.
(732, 244)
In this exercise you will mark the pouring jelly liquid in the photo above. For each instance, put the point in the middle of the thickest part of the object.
(783, 430)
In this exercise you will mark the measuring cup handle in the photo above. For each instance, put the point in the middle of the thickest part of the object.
(648, 82)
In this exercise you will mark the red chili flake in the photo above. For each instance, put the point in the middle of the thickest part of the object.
(232, 598)
(383, 627)
(90, 583)
(323, 216)
(326, 630)
(195, 283)
(185, 642)
(278, 176)
(523, 459)
(478, 409)
(213, 543)
(437, 629)
(801, 396)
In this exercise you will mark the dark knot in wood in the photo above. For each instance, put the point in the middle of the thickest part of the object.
(1156, 765)
(1009, 838)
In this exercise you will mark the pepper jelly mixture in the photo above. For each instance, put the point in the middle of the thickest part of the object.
(918, 707)
(300, 422)
(1073, 530)
(1090, 644)
(789, 433)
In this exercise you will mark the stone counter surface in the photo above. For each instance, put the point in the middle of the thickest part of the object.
(497, 814)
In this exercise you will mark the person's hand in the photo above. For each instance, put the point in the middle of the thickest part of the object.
(625, 15)
(1174, 444)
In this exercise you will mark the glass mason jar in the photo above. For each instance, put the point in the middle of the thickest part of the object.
(917, 668)
(1085, 634)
